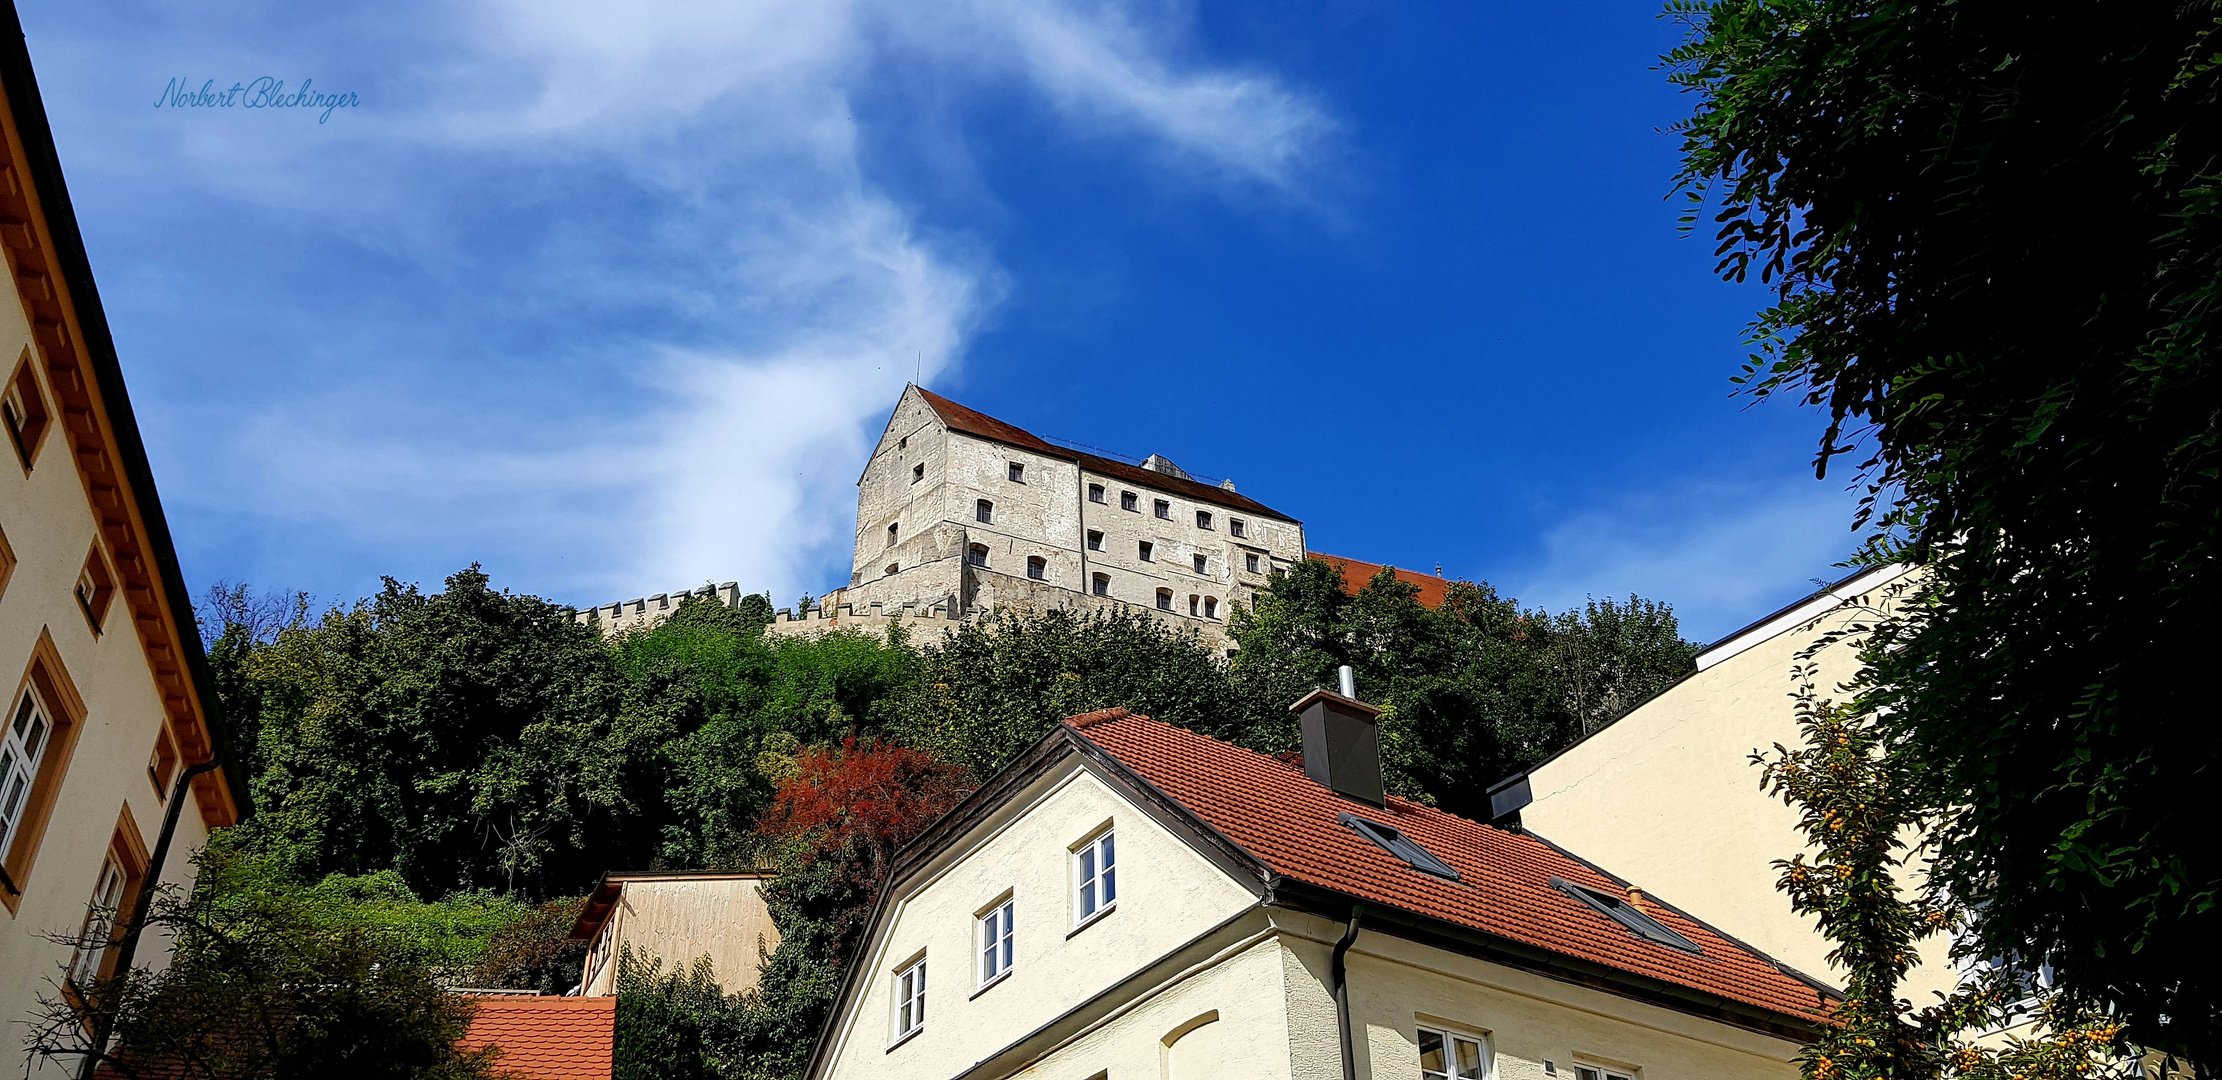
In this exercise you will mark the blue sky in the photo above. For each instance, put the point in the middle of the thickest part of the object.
(614, 298)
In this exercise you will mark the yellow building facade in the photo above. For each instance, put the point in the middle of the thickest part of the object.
(109, 733)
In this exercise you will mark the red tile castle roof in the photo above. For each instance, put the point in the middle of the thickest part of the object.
(979, 424)
(1288, 821)
(1356, 572)
(547, 1038)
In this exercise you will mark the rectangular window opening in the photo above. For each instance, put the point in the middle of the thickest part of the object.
(1095, 877)
(1237, 528)
(1037, 568)
(1129, 501)
(1250, 563)
(983, 511)
(22, 748)
(1450, 1055)
(1095, 540)
(1095, 493)
(1163, 509)
(977, 555)
(1203, 565)
(1018, 473)
(918, 472)
(1146, 551)
(1203, 519)
(1101, 584)
(1164, 599)
(910, 999)
(995, 944)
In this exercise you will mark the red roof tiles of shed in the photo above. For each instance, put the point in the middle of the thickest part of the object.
(547, 1038)
(1289, 822)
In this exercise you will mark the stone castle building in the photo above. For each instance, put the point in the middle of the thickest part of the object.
(959, 513)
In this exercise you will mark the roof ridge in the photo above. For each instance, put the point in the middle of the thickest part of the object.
(1086, 720)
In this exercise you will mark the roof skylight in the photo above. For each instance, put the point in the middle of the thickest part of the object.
(1403, 847)
(1628, 915)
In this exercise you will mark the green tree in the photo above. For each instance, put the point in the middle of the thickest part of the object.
(1856, 811)
(264, 985)
(676, 1026)
(1473, 690)
(1994, 235)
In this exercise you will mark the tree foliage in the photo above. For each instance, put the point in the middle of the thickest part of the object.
(1856, 812)
(1994, 232)
(265, 983)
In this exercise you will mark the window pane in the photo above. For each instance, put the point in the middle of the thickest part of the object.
(1431, 1053)
(1469, 1059)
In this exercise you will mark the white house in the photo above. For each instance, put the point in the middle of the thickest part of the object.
(1132, 900)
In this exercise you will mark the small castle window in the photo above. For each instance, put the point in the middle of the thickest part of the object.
(1203, 519)
(977, 555)
(1164, 599)
(893, 569)
(918, 472)
(903, 443)
(1037, 568)
(984, 511)
(1192, 602)
(1129, 501)
(1102, 584)
(892, 528)
(1202, 565)
(1164, 509)
(1018, 473)
(95, 588)
(1095, 540)
(23, 406)
(1236, 528)
(1250, 562)
(1148, 551)
(1095, 493)
(1211, 607)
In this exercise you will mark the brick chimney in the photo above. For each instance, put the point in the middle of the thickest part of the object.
(1342, 743)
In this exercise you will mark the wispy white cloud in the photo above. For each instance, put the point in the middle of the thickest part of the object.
(1724, 552)
(636, 297)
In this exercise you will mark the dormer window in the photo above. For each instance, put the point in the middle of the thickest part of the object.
(1164, 509)
(1621, 911)
(1393, 841)
(1203, 519)
(1018, 472)
(983, 511)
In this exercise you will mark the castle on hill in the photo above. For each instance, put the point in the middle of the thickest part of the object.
(958, 513)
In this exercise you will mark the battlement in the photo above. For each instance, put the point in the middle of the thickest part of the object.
(650, 610)
(647, 611)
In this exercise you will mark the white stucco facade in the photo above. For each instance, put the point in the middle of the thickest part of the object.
(1198, 974)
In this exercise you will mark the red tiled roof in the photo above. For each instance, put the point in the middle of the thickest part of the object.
(547, 1038)
(1355, 574)
(974, 422)
(1287, 821)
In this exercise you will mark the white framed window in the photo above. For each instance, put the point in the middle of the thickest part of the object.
(100, 924)
(22, 746)
(910, 1000)
(1599, 1072)
(1095, 876)
(995, 943)
(1453, 1055)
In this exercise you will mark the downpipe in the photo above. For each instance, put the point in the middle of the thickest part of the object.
(128, 947)
(1341, 976)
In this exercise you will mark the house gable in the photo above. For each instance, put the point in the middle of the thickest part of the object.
(1015, 842)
